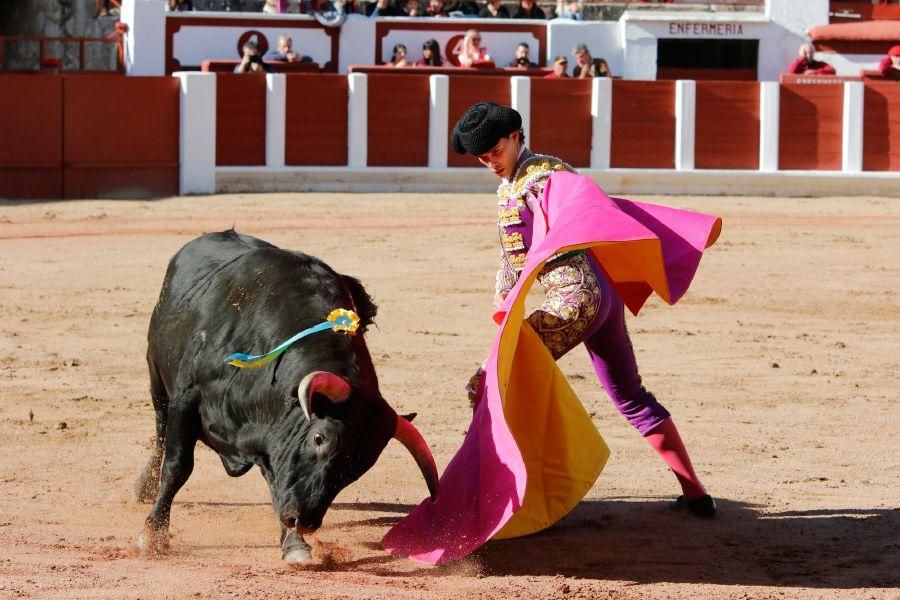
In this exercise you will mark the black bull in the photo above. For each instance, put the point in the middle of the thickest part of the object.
(313, 421)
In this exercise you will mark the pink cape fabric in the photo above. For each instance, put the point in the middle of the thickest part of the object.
(642, 248)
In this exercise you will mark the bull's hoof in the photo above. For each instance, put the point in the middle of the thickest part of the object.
(298, 556)
(295, 550)
(153, 542)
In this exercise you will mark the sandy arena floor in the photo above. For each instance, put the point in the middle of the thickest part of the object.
(781, 367)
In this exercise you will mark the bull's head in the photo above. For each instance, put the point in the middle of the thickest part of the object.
(338, 437)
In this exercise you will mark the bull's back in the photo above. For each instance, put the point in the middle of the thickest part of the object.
(195, 266)
(188, 294)
(223, 291)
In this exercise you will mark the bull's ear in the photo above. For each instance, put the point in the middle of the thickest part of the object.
(410, 416)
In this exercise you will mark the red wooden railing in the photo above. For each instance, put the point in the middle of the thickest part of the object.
(53, 64)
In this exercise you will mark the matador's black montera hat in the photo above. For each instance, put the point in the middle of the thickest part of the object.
(482, 126)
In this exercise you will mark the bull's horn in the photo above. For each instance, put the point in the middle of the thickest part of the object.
(323, 382)
(407, 434)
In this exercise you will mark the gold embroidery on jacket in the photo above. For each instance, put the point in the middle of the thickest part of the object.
(573, 300)
(513, 241)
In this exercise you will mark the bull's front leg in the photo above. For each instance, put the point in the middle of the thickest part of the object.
(294, 548)
(178, 463)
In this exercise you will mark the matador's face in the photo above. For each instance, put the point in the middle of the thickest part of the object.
(501, 159)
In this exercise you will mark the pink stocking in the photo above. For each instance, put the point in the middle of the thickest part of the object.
(665, 440)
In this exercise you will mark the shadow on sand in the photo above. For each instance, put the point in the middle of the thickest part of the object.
(640, 540)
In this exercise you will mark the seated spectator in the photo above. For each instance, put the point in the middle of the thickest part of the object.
(463, 8)
(412, 8)
(435, 8)
(398, 56)
(528, 9)
(560, 66)
(570, 9)
(521, 61)
(284, 51)
(806, 64)
(385, 8)
(179, 5)
(587, 65)
(493, 9)
(473, 52)
(251, 61)
(890, 65)
(431, 55)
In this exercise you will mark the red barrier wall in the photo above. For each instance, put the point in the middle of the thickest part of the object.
(643, 124)
(563, 127)
(316, 121)
(31, 139)
(464, 92)
(881, 127)
(240, 119)
(112, 150)
(727, 125)
(810, 127)
(398, 121)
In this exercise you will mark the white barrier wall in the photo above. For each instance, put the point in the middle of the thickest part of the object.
(200, 175)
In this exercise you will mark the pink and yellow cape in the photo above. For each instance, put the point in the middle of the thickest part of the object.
(531, 452)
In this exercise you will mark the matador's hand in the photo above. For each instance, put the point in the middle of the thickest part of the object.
(475, 387)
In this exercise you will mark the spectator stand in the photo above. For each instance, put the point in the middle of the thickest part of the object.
(192, 38)
(852, 48)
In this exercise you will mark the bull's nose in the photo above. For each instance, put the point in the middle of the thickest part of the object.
(289, 521)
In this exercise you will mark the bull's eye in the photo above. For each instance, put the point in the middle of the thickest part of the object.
(318, 439)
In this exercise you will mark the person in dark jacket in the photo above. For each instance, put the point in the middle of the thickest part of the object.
(467, 8)
(385, 8)
(521, 61)
(588, 66)
(435, 8)
(493, 9)
(528, 9)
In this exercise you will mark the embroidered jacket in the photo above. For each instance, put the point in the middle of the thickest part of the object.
(515, 220)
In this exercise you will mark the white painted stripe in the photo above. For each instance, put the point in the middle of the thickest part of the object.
(276, 112)
(769, 119)
(685, 123)
(438, 115)
(197, 133)
(358, 120)
(601, 121)
(852, 143)
(520, 99)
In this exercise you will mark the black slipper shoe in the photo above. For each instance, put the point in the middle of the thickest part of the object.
(703, 507)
